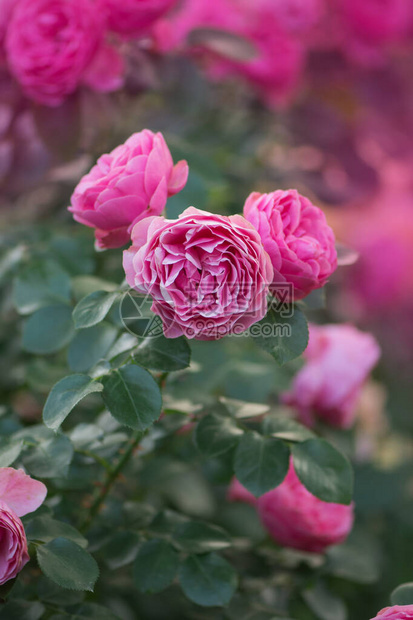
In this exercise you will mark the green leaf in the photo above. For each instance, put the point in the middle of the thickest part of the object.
(48, 330)
(357, 559)
(22, 610)
(68, 565)
(324, 471)
(240, 409)
(51, 458)
(121, 549)
(9, 452)
(199, 537)
(216, 434)
(402, 595)
(40, 284)
(285, 428)
(208, 580)
(155, 566)
(261, 463)
(284, 337)
(91, 611)
(132, 397)
(65, 395)
(90, 345)
(92, 309)
(45, 529)
(324, 604)
(167, 354)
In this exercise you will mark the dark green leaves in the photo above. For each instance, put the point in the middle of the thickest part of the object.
(215, 434)
(208, 580)
(64, 397)
(132, 396)
(90, 345)
(282, 334)
(198, 537)
(403, 595)
(167, 354)
(93, 309)
(45, 529)
(67, 564)
(261, 463)
(48, 330)
(324, 471)
(39, 285)
(50, 458)
(155, 566)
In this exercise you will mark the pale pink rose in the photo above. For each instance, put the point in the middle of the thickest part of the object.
(131, 18)
(339, 359)
(19, 494)
(50, 45)
(297, 237)
(128, 184)
(295, 518)
(397, 612)
(207, 274)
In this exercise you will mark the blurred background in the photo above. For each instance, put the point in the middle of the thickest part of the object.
(256, 95)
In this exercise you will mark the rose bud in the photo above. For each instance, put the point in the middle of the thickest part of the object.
(128, 184)
(297, 237)
(207, 274)
(339, 359)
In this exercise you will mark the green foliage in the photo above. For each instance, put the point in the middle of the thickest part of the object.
(155, 566)
(68, 564)
(208, 580)
(217, 433)
(284, 337)
(41, 284)
(65, 395)
(93, 308)
(48, 330)
(165, 354)
(403, 595)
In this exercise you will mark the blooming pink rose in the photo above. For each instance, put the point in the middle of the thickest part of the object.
(19, 494)
(397, 612)
(131, 18)
(50, 45)
(207, 274)
(338, 361)
(295, 518)
(297, 237)
(128, 184)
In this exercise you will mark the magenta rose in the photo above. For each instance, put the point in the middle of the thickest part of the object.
(397, 612)
(51, 45)
(295, 518)
(297, 237)
(131, 18)
(128, 184)
(339, 359)
(207, 274)
(19, 494)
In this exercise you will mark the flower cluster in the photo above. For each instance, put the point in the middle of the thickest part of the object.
(295, 518)
(19, 495)
(208, 275)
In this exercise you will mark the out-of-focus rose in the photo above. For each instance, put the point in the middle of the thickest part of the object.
(51, 43)
(19, 494)
(339, 359)
(297, 237)
(207, 274)
(374, 22)
(6, 7)
(397, 612)
(128, 184)
(131, 18)
(295, 518)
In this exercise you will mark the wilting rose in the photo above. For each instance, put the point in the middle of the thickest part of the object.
(131, 18)
(50, 45)
(339, 359)
(128, 184)
(297, 237)
(295, 518)
(19, 494)
(397, 612)
(207, 274)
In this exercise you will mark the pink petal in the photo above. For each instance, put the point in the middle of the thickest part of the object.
(178, 177)
(20, 492)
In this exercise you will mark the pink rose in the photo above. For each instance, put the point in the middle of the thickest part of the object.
(297, 237)
(295, 518)
(19, 494)
(376, 23)
(397, 612)
(50, 45)
(339, 359)
(238, 493)
(128, 184)
(131, 18)
(207, 274)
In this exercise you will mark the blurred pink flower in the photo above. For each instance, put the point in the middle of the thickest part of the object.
(295, 518)
(297, 237)
(128, 184)
(375, 21)
(50, 45)
(19, 494)
(131, 18)
(339, 359)
(207, 274)
(397, 612)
